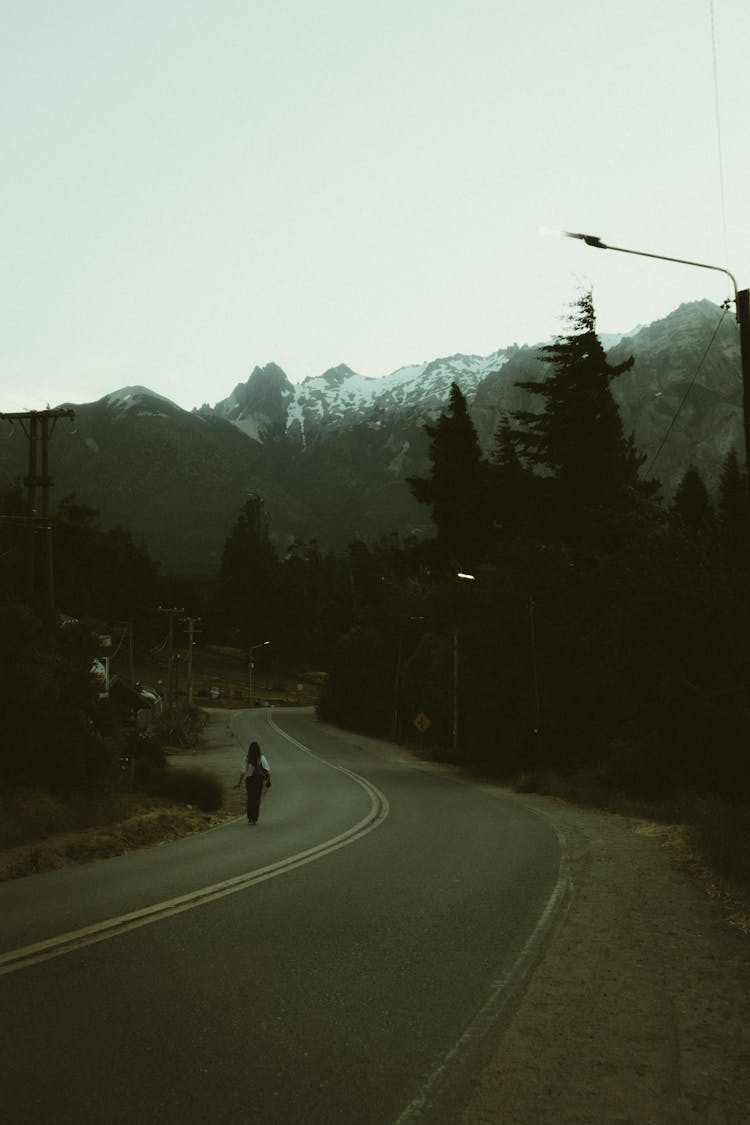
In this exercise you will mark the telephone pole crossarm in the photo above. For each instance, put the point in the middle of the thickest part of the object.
(38, 427)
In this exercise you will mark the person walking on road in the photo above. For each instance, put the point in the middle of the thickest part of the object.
(256, 773)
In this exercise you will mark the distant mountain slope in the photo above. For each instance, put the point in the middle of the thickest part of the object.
(331, 454)
(683, 395)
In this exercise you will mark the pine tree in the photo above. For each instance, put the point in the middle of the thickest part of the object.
(509, 481)
(249, 579)
(734, 512)
(692, 503)
(455, 490)
(578, 436)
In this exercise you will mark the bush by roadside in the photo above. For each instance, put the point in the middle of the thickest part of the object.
(721, 832)
(29, 815)
(154, 825)
(189, 785)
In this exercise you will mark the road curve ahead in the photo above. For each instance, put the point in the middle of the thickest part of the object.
(350, 959)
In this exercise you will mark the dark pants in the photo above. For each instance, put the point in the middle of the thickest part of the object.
(254, 787)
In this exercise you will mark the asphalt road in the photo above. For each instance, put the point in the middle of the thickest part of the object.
(352, 958)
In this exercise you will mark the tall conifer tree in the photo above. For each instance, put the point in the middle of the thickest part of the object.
(692, 502)
(578, 436)
(734, 512)
(455, 490)
(248, 578)
(509, 480)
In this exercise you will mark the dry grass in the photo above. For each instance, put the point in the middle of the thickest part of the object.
(679, 838)
(154, 826)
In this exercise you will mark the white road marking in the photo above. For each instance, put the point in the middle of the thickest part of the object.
(502, 991)
(16, 959)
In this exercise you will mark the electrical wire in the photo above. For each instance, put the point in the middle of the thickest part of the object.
(160, 647)
(652, 461)
(119, 643)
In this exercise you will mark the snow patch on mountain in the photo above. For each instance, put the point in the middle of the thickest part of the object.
(251, 425)
(336, 392)
(352, 392)
(341, 394)
(137, 399)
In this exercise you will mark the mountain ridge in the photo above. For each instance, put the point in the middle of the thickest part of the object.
(330, 455)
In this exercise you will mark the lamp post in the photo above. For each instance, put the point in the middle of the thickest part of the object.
(251, 665)
(741, 304)
(463, 577)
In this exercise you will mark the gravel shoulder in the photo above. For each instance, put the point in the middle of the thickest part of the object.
(640, 1009)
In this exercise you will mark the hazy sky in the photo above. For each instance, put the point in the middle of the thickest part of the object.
(190, 188)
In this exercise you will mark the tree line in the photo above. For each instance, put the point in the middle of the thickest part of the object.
(602, 629)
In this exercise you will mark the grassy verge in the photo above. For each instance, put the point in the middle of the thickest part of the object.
(30, 815)
(43, 833)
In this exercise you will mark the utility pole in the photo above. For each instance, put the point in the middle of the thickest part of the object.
(251, 665)
(190, 622)
(743, 320)
(454, 739)
(171, 611)
(535, 684)
(38, 427)
(131, 646)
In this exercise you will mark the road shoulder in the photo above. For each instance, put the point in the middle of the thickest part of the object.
(639, 1010)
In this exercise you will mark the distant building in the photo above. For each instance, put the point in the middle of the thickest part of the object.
(137, 705)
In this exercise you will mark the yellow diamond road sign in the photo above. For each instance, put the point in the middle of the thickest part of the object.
(421, 722)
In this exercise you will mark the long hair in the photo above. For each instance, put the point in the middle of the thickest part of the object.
(253, 754)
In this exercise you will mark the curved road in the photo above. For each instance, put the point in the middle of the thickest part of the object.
(349, 959)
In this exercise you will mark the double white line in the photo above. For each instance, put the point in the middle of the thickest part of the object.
(17, 959)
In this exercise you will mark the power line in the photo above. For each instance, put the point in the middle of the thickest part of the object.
(650, 464)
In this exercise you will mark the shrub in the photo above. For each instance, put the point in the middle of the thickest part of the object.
(27, 814)
(189, 786)
(721, 831)
(540, 781)
(182, 728)
(639, 769)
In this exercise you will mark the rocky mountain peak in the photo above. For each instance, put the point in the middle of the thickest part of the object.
(331, 455)
(138, 400)
(335, 376)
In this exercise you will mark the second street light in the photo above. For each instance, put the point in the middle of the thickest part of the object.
(251, 665)
(741, 302)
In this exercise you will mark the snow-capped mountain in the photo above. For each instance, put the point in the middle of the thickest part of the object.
(268, 400)
(330, 456)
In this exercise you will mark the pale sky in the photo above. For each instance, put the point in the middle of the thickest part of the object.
(193, 188)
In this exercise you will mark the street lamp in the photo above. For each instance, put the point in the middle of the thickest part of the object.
(251, 665)
(534, 668)
(741, 304)
(463, 577)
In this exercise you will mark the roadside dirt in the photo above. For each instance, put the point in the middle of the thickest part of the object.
(639, 1011)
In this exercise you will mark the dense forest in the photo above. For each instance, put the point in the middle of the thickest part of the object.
(602, 630)
(563, 621)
